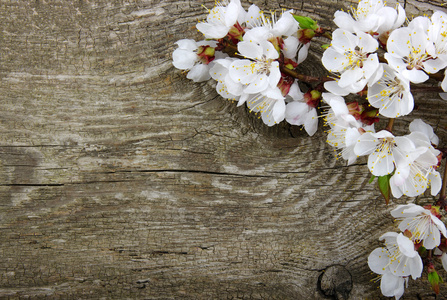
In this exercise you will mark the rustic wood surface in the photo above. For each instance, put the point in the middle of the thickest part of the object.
(121, 179)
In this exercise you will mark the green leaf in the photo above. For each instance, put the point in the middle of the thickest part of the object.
(371, 179)
(306, 22)
(434, 280)
(422, 251)
(384, 186)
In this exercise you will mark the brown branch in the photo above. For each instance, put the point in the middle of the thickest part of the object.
(302, 77)
(389, 127)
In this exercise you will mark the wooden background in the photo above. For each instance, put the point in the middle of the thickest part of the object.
(121, 179)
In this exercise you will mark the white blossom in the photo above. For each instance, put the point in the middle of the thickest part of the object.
(269, 104)
(280, 32)
(417, 125)
(413, 179)
(391, 94)
(185, 57)
(423, 225)
(298, 112)
(226, 87)
(410, 51)
(385, 151)
(221, 18)
(395, 262)
(352, 57)
(344, 130)
(260, 71)
(371, 16)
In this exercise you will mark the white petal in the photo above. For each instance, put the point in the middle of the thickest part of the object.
(350, 77)
(367, 43)
(279, 110)
(243, 99)
(334, 88)
(295, 92)
(269, 50)
(378, 260)
(415, 76)
(286, 25)
(290, 47)
(295, 112)
(302, 53)
(252, 16)
(334, 61)
(444, 83)
(380, 164)
(344, 20)
(406, 246)
(370, 66)
(444, 260)
(439, 224)
(398, 212)
(391, 285)
(183, 59)
(275, 74)
(418, 125)
(259, 84)
(396, 191)
(343, 40)
(232, 86)
(243, 71)
(212, 31)
(199, 73)
(399, 42)
(231, 13)
(250, 49)
(389, 237)
(412, 210)
(416, 266)
(435, 182)
(401, 16)
(432, 66)
(256, 34)
(366, 144)
(395, 62)
(187, 44)
(311, 122)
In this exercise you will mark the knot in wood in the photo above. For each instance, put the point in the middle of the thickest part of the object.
(335, 282)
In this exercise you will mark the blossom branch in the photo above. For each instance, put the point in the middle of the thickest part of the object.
(302, 77)
(389, 127)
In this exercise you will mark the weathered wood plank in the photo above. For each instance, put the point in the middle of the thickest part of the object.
(119, 178)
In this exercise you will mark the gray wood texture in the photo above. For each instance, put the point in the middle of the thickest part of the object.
(121, 179)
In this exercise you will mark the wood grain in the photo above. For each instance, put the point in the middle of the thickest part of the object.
(121, 179)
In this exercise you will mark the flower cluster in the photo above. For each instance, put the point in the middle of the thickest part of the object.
(407, 162)
(248, 53)
(254, 59)
(412, 52)
(400, 258)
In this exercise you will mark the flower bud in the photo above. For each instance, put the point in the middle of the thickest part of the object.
(368, 115)
(312, 98)
(354, 109)
(434, 210)
(433, 278)
(285, 83)
(306, 22)
(305, 35)
(235, 33)
(206, 54)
